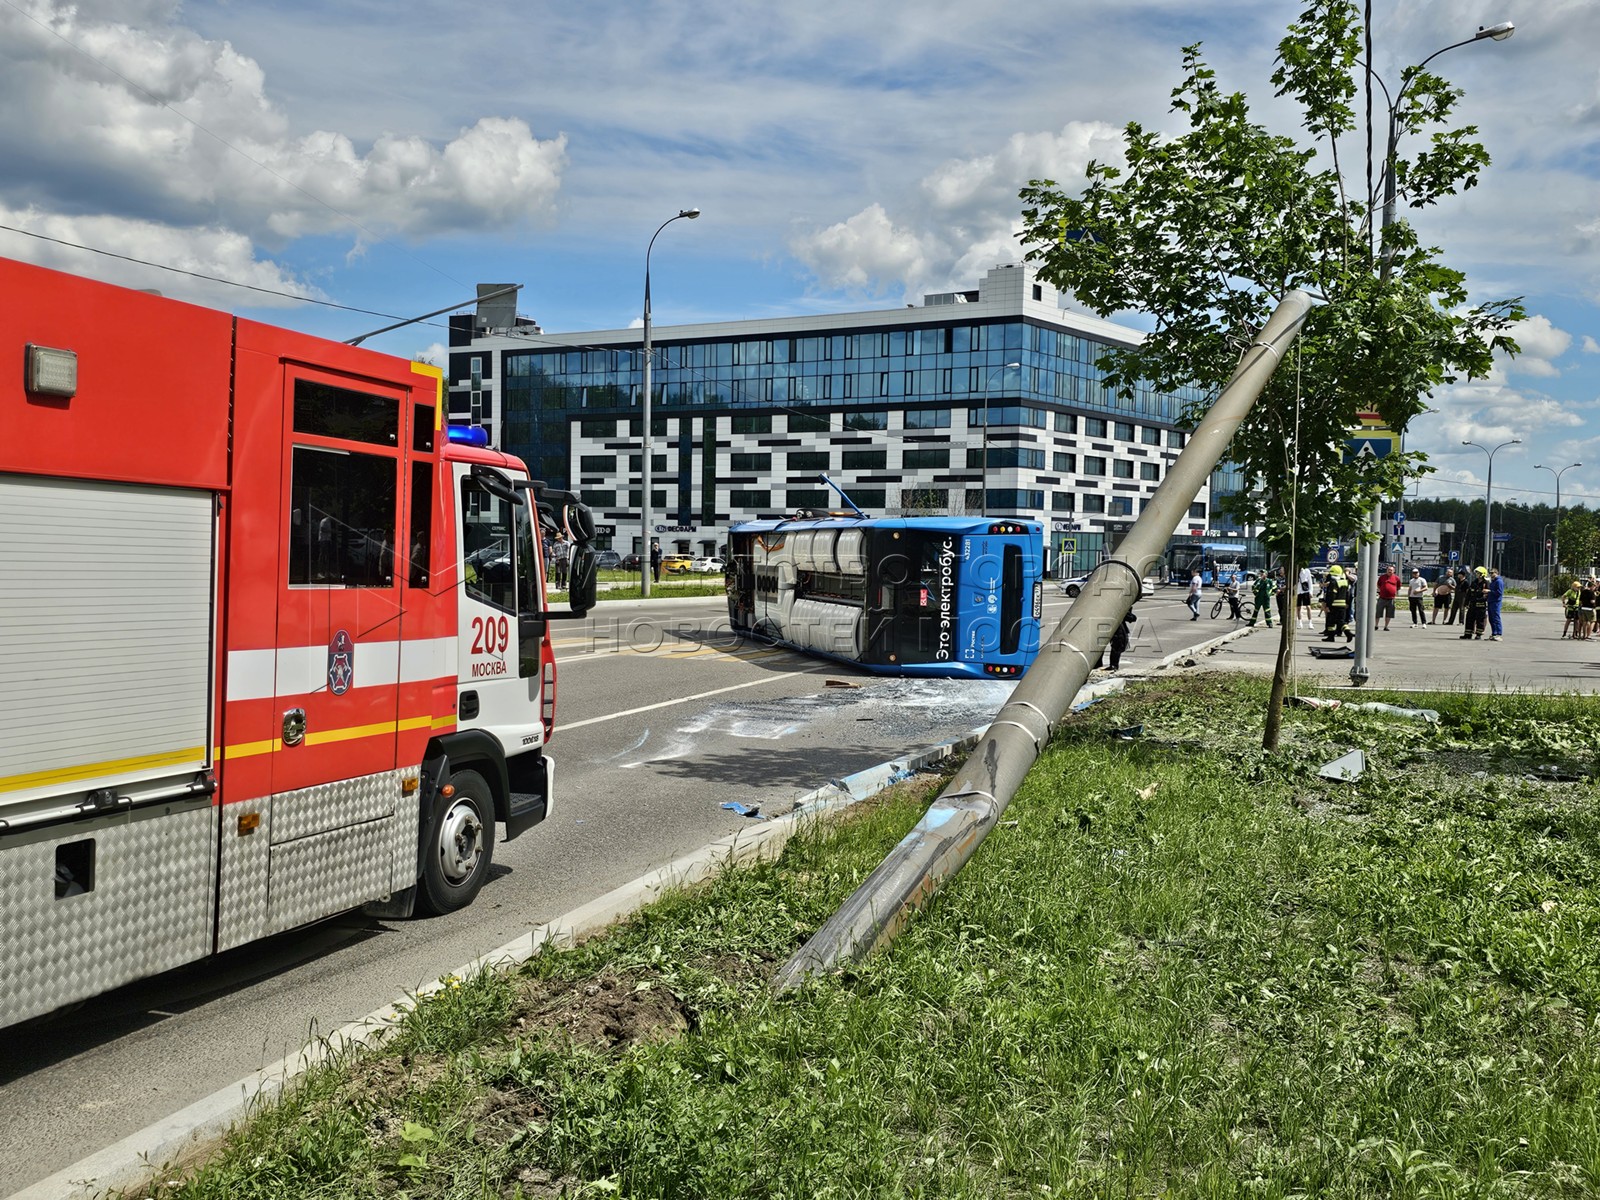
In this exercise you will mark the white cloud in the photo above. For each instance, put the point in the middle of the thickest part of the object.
(1590, 346)
(1541, 344)
(200, 250)
(158, 123)
(960, 219)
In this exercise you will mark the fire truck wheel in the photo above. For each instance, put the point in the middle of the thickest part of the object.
(460, 844)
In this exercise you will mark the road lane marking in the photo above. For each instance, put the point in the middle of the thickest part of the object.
(562, 726)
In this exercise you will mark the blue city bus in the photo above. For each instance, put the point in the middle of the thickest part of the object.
(940, 596)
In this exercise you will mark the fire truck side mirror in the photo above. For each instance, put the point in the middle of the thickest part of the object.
(581, 580)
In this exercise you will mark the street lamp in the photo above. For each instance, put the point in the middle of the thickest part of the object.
(1363, 601)
(644, 459)
(984, 477)
(1555, 558)
(1488, 495)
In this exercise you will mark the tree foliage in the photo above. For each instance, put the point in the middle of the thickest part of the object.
(1208, 230)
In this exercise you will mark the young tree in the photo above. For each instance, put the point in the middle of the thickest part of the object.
(1579, 538)
(1208, 230)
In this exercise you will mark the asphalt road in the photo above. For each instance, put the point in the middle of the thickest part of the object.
(661, 718)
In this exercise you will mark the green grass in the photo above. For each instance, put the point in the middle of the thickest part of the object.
(624, 585)
(1180, 967)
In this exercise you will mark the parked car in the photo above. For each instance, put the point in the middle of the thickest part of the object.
(708, 564)
(630, 562)
(1071, 587)
(676, 564)
(607, 560)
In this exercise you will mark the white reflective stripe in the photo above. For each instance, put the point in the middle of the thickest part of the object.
(293, 670)
(250, 674)
(427, 658)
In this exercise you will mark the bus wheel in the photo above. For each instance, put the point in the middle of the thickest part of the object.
(459, 844)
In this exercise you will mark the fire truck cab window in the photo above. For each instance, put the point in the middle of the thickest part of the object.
(489, 536)
(342, 518)
(351, 416)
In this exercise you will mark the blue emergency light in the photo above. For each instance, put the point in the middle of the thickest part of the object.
(468, 435)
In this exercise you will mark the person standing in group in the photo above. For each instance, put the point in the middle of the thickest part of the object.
(1495, 595)
(1417, 598)
(1302, 599)
(1586, 606)
(1264, 588)
(1388, 589)
(1569, 609)
(1441, 597)
(1459, 595)
(1477, 590)
(1338, 597)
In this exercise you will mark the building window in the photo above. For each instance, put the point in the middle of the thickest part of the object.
(1124, 431)
(599, 499)
(863, 460)
(1175, 439)
(658, 499)
(1149, 470)
(596, 464)
(1093, 503)
(1121, 506)
(928, 418)
(867, 419)
(1122, 469)
(1015, 498)
(912, 460)
(1063, 502)
(741, 463)
(1006, 456)
(1094, 426)
(751, 423)
(1197, 511)
(870, 498)
(756, 499)
(809, 422)
(1094, 465)
(1063, 462)
(1150, 435)
(806, 498)
(658, 462)
(924, 499)
(808, 460)
(1066, 422)
(598, 427)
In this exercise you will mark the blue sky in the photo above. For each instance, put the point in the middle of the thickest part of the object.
(846, 156)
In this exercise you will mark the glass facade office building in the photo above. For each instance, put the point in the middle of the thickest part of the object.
(982, 401)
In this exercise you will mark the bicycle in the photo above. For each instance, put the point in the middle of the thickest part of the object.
(1247, 609)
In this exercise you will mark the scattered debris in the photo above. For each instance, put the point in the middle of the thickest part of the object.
(840, 683)
(1346, 769)
(1314, 702)
(1332, 652)
(744, 810)
(1394, 710)
(1145, 793)
(1128, 734)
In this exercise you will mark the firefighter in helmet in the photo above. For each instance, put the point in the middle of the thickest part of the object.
(1338, 606)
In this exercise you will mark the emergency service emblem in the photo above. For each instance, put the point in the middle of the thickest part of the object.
(341, 663)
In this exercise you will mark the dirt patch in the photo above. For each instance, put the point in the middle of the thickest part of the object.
(610, 1010)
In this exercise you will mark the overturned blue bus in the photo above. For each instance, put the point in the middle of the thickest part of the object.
(940, 596)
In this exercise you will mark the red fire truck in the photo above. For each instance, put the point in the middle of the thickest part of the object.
(274, 640)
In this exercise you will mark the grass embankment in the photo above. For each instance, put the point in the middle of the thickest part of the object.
(1181, 967)
(624, 585)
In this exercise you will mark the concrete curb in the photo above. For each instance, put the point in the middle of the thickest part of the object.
(141, 1156)
(1203, 647)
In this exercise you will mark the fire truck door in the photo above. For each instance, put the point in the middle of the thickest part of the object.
(339, 595)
